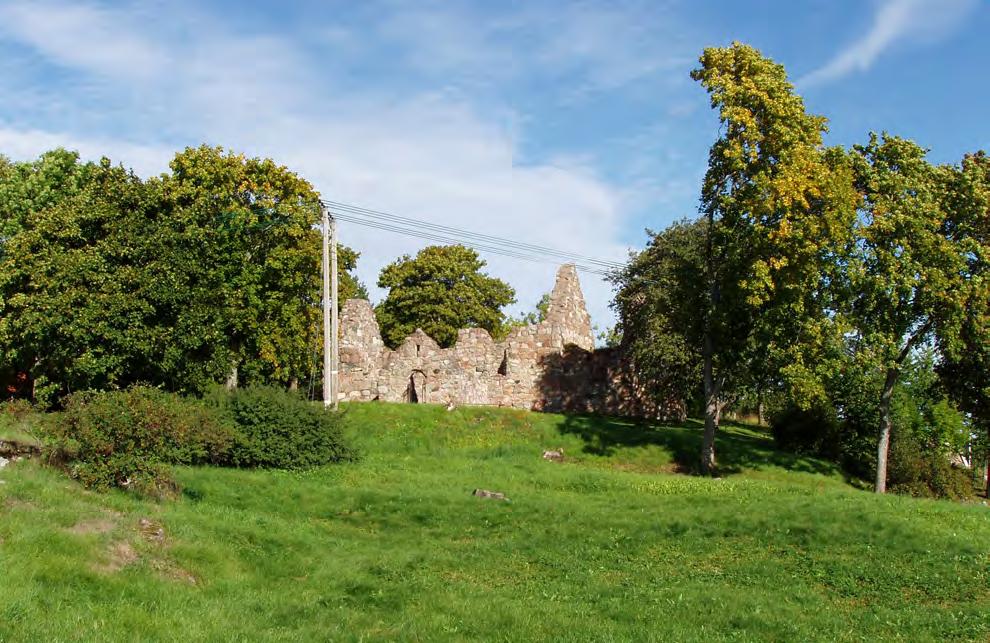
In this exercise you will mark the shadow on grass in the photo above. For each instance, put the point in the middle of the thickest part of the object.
(738, 448)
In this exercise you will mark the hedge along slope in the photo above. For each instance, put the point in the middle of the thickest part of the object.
(128, 438)
(277, 429)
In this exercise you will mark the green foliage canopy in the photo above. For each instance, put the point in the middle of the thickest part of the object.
(661, 299)
(108, 280)
(77, 307)
(912, 270)
(775, 200)
(440, 291)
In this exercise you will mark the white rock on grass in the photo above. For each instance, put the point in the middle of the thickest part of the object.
(4, 462)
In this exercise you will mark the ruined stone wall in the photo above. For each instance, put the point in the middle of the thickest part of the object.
(550, 366)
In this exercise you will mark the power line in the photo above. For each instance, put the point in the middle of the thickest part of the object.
(481, 247)
(448, 239)
(489, 243)
(376, 214)
(492, 243)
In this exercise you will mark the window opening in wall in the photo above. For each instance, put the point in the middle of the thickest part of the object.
(503, 368)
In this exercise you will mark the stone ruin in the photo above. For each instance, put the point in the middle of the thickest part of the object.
(550, 366)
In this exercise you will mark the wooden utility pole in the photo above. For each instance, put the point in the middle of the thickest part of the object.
(334, 321)
(327, 330)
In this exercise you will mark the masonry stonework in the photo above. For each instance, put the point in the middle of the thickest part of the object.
(549, 366)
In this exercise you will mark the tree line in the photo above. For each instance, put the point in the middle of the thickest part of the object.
(817, 278)
(205, 274)
(209, 272)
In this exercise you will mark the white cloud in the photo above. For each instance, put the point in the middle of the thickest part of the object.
(438, 161)
(146, 160)
(911, 21)
(427, 156)
(84, 37)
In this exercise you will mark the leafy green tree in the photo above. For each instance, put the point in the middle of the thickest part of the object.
(661, 302)
(912, 266)
(440, 291)
(107, 280)
(535, 316)
(75, 308)
(965, 365)
(774, 201)
(242, 259)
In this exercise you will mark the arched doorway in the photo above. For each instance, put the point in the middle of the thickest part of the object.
(416, 389)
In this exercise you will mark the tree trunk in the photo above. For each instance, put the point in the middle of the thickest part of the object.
(883, 448)
(231, 383)
(761, 417)
(986, 464)
(711, 410)
(893, 372)
(34, 380)
(711, 385)
(294, 384)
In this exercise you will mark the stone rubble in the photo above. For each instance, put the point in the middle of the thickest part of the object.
(491, 495)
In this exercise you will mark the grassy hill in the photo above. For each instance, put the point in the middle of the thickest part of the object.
(612, 544)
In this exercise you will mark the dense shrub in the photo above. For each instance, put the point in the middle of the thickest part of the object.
(20, 421)
(126, 438)
(279, 429)
(912, 469)
(812, 431)
(17, 409)
(924, 473)
(820, 432)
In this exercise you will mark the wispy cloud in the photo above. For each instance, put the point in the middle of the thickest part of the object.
(599, 45)
(612, 47)
(146, 160)
(895, 21)
(85, 37)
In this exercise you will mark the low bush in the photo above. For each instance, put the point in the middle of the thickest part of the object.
(17, 409)
(819, 432)
(127, 438)
(924, 473)
(279, 429)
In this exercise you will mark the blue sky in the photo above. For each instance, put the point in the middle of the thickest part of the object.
(572, 125)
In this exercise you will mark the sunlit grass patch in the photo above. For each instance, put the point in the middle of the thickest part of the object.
(610, 544)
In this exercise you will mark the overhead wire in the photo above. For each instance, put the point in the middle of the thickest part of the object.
(449, 234)
(477, 246)
(491, 245)
(467, 233)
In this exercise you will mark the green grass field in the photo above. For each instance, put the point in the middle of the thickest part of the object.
(614, 544)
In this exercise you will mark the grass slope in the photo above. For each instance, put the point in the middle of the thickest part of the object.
(611, 545)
